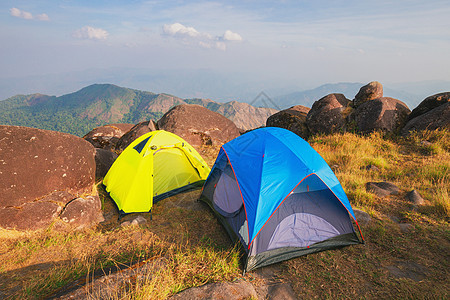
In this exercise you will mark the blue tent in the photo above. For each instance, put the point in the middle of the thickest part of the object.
(272, 191)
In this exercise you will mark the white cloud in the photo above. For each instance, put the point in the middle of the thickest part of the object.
(43, 17)
(90, 33)
(15, 12)
(180, 30)
(190, 35)
(231, 36)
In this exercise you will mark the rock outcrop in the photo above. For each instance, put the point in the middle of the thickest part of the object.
(371, 91)
(41, 171)
(293, 119)
(198, 125)
(429, 104)
(135, 132)
(107, 136)
(362, 217)
(386, 114)
(432, 113)
(437, 118)
(415, 198)
(328, 115)
(83, 212)
(220, 290)
(382, 189)
(103, 162)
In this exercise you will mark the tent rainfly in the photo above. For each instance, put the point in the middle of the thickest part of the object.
(155, 166)
(272, 191)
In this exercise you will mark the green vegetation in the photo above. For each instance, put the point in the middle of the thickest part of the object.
(79, 112)
(405, 255)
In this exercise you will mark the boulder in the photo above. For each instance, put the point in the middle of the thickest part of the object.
(40, 172)
(382, 189)
(415, 198)
(386, 114)
(437, 118)
(405, 227)
(371, 91)
(328, 115)
(113, 282)
(362, 217)
(30, 216)
(139, 220)
(83, 212)
(198, 125)
(103, 162)
(107, 136)
(293, 119)
(408, 270)
(135, 132)
(239, 289)
(429, 104)
(372, 168)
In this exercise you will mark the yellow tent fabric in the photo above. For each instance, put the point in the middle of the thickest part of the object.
(156, 165)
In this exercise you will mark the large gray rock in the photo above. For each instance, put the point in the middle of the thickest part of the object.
(386, 114)
(107, 136)
(198, 125)
(83, 212)
(30, 216)
(293, 119)
(362, 217)
(114, 282)
(382, 189)
(371, 91)
(415, 198)
(236, 290)
(429, 104)
(103, 162)
(135, 132)
(40, 172)
(437, 118)
(328, 115)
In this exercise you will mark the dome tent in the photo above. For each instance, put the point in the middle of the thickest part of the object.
(272, 191)
(155, 166)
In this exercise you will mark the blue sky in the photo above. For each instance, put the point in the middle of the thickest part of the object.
(304, 42)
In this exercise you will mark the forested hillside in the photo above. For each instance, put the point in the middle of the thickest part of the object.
(99, 104)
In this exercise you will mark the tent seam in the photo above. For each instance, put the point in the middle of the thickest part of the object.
(242, 196)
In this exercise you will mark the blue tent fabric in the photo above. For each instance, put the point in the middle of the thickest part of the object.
(271, 151)
(270, 165)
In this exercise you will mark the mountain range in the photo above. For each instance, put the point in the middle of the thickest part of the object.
(221, 86)
(412, 94)
(101, 104)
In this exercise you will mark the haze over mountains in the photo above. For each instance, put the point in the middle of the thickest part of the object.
(205, 83)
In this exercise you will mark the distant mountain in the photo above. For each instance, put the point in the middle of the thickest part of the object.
(100, 104)
(308, 97)
(403, 92)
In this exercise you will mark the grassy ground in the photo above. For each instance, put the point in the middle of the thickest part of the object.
(406, 254)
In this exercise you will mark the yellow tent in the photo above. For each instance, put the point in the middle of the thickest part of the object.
(155, 166)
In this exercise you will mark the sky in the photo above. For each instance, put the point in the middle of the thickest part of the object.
(302, 43)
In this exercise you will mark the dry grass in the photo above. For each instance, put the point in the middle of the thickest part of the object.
(394, 263)
(406, 162)
(408, 264)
